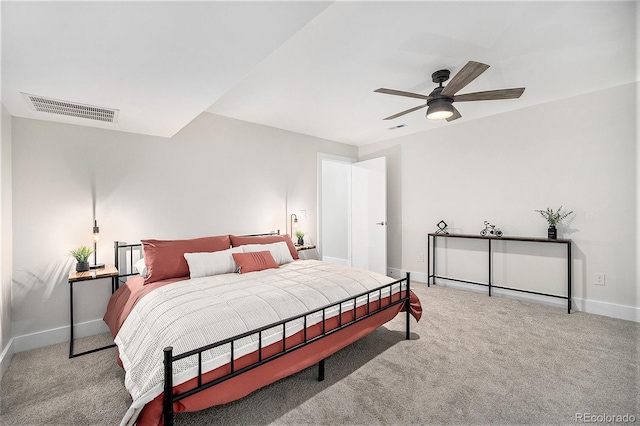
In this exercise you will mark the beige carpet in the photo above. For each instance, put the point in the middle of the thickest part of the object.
(472, 360)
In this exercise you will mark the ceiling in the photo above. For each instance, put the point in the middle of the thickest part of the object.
(307, 67)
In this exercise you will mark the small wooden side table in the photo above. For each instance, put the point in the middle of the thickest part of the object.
(109, 271)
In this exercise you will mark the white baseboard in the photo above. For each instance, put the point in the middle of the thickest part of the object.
(58, 335)
(46, 338)
(629, 313)
(400, 273)
(5, 358)
(624, 312)
(336, 260)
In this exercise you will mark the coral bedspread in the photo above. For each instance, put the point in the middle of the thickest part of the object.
(190, 313)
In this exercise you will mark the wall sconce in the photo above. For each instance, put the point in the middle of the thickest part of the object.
(294, 222)
(96, 238)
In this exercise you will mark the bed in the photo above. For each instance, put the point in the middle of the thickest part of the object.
(207, 321)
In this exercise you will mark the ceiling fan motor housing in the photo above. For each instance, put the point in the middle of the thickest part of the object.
(437, 97)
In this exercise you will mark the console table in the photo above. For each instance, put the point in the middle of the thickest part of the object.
(431, 260)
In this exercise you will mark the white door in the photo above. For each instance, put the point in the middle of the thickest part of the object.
(369, 215)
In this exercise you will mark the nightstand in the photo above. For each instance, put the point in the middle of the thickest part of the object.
(307, 251)
(108, 271)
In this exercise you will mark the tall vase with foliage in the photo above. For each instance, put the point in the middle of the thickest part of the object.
(300, 236)
(81, 254)
(553, 218)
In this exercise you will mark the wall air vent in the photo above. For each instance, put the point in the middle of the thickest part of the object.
(71, 109)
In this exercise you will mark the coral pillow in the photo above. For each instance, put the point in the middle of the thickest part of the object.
(165, 258)
(265, 239)
(254, 261)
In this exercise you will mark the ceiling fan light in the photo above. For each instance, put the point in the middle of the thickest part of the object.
(439, 115)
(439, 110)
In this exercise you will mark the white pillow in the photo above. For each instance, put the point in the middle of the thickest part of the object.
(279, 251)
(214, 263)
(141, 267)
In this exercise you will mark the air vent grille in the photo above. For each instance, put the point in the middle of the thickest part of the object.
(71, 109)
(399, 126)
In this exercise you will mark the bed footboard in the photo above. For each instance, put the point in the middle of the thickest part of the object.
(403, 299)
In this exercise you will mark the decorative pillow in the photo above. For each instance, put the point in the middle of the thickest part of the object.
(279, 251)
(212, 263)
(141, 267)
(254, 261)
(165, 258)
(265, 239)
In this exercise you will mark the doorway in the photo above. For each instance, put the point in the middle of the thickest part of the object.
(352, 223)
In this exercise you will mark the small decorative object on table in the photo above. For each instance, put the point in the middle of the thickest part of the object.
(553, 218)
(300, 236)
(442, 227)
(490, 230)
(81, 254)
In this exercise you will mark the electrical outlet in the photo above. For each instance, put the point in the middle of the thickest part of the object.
(599, 278)
(421, 257)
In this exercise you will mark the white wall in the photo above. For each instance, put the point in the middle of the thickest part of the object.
(5, 238)
(576, 152)
(218, 175)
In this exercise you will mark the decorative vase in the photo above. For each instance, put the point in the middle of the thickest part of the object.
(82, 266)
(552, 232)
(301, 241)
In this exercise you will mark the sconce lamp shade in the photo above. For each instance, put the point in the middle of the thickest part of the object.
(96, 231)
(96, 238)
(440, 109)
(294, 222)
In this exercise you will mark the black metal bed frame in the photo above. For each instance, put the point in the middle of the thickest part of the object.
(169, 398)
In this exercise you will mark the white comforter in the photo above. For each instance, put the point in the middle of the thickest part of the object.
(190, 314)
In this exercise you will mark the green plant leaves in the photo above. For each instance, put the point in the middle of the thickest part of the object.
(554, 217)
(81, 254)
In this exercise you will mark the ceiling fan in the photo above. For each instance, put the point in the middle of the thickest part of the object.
(440, 100)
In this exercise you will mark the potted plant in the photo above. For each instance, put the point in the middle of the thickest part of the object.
(553, 218)
(81, 254)
(300, 235)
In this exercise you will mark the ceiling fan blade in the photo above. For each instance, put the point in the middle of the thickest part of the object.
(405, 112)
(466, 75)
(490, 95)
(455, 116)
(401, 93)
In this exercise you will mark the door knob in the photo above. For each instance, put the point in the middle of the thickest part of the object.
(380, 223)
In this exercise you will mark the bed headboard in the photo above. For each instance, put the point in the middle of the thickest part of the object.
(126, 255)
